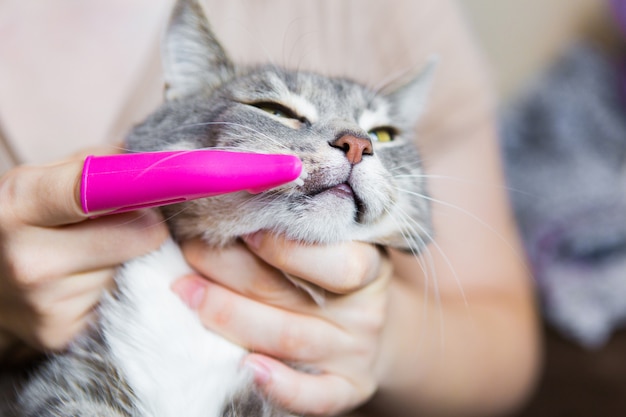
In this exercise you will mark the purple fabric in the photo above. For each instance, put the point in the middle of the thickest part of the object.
(618, 7)
(619, 12)
(564, 145)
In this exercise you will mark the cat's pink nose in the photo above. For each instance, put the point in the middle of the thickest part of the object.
(354, 147)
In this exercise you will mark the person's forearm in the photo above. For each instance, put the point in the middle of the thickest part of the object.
(445, 355)
(448, 358)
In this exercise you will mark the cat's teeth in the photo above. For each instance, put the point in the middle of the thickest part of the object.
(303, 175)
(298, 182)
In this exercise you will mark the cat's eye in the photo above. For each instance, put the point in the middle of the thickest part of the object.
(277, 110)
(382, 134)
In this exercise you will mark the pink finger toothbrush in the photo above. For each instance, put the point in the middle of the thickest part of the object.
(118, 183)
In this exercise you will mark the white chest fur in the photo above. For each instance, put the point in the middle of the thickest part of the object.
(173, 364)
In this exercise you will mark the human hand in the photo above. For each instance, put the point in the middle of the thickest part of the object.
(248, 300)
(54, 262)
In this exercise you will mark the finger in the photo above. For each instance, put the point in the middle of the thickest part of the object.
(83, 153)
(47, 195)
(111, 240)
(43, 195)
(261, 327)
(51, 298)
(63, 310)
(339, 268)
(302, 393)
(236, 268)
(58, 332)
(85, 246)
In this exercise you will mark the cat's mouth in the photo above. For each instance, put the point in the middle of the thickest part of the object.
(344, 190)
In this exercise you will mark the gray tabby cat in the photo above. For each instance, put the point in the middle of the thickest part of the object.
(149, 354)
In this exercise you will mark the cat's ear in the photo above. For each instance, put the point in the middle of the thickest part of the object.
(409, 99)
(193, 59)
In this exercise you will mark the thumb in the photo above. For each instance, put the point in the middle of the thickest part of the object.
(44, 196)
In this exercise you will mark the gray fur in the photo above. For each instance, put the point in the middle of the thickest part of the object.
(565, 150)
(222, 119)
(82, 382)
(214, 104)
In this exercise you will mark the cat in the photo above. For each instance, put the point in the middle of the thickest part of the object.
(148, 354)
(564, 146)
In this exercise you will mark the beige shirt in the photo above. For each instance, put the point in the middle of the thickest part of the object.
(69, 70)
(79, 74)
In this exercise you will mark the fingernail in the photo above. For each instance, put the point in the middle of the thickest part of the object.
(191, 289)
(254, 240)
(261, 371)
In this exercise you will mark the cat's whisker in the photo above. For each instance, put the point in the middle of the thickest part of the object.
(406, 232)
(481, 222)
(221, 148)
(253, 199)
(431, 177)
(288, 57)
(414, 239)
(253, 38)
(121, 149)
(243, 126)
(234, 148)
(393, 79)
(426, 265)
(181, 210)
(134, 220)
(445, 257)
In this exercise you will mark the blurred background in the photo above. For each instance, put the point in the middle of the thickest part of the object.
(520, 39)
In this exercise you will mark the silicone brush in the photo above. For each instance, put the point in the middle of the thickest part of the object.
(126, 182)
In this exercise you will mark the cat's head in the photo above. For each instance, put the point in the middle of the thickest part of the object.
(365, 181)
